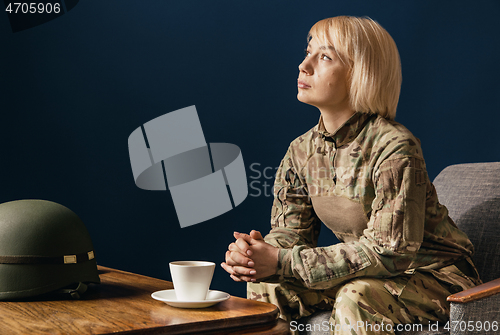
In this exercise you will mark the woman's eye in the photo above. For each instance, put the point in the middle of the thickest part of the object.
(325, 57)
(307, 53)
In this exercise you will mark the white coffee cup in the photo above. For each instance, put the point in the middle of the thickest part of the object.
(191, 279)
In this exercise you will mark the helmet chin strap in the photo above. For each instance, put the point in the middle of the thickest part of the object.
(74, 293)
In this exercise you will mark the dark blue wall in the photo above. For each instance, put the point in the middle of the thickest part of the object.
(73, 89)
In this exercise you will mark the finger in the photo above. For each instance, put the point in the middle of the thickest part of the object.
(239, 259)
(227, 268)
(247, 279)
(243, 271)
(238, 271)
(235, 278)
(238, 235)
(230, 261)
(243, 279)
(245, 237)
(235, 248)
(243, 244)
(256, 235)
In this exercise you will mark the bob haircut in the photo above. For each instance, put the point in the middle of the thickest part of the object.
(374, 66)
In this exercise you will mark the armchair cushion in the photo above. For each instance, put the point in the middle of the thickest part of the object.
(471, 192)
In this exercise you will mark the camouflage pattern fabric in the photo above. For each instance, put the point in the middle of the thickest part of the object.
(362, 305)
(368, 183)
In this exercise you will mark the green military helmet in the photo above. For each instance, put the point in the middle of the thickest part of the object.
(44, 247)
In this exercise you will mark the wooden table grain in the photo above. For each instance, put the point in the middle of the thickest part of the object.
(122, 303)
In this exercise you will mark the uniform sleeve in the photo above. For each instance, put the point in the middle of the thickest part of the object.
(388, 245)
(293, 220)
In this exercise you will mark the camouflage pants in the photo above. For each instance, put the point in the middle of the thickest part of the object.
(362, 305)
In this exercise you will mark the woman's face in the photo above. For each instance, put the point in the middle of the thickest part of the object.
(322, 79)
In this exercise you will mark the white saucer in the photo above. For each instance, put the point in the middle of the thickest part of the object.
(168, 297)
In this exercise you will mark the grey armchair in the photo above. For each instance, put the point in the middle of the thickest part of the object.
(471, 192)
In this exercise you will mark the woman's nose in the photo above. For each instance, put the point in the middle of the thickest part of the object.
(305, 66)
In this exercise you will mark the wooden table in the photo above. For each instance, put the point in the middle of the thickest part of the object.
(122, 303)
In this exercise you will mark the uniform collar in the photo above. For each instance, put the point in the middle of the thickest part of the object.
(346, 132)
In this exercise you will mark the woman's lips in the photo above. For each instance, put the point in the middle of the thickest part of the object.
(302, 84)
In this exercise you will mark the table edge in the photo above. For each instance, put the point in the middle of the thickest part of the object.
(257, 320)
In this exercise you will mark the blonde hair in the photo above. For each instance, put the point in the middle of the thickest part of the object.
(372, 58)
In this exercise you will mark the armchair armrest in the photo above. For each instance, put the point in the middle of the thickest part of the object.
(473, 294)
(475, 311)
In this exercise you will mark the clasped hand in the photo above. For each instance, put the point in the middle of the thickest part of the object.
(250, 258)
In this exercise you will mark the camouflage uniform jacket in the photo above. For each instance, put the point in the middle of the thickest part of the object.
(368, 183)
